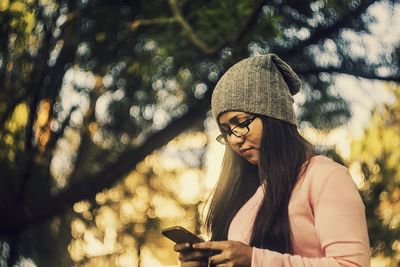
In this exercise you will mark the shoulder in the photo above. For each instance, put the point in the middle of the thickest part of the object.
(323, 166)
(323, 172)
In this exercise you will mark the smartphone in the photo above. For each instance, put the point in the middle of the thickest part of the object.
(178, 234)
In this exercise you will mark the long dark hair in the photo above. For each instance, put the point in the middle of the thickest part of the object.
(284, 154)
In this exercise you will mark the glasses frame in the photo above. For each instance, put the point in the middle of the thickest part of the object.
(223, 138)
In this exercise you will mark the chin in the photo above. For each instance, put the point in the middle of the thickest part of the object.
(253, 161)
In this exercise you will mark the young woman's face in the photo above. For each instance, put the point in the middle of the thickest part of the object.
(248, 145)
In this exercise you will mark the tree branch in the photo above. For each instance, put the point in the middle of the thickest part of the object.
(202, 46)
(88, 187)
(323, 32)
(67, 55)
(354, 72)
(4, 44)
(189, 30)
(134, 25)
(36, 82)
(252, 19)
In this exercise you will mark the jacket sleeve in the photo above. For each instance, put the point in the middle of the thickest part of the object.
(340, 225)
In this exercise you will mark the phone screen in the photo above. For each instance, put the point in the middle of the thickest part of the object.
(178, 234)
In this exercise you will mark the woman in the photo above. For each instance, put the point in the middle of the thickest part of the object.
(276, 202)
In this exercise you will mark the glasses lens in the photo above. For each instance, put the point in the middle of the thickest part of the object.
(240, 131)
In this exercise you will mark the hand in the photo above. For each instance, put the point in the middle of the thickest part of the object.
(190, 257)
(232, 253)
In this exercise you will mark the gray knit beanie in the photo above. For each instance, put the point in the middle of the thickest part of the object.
(262, 85)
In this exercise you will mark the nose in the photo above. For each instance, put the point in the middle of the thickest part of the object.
(234, 140)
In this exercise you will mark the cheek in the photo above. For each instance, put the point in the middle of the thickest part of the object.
(257, 133)
(256, 140)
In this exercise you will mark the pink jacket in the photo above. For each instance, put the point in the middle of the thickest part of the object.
(327, 220)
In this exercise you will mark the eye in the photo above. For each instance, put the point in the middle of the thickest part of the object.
(244, 123)
(224, 131)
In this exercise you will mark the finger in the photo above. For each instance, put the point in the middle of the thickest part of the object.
(182, 247)
(213, 245)
(193, 255)
(194, 264)
(217, 259)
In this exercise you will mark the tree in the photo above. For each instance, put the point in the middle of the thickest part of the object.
(376, 158)
(124, 222)
(90, 88)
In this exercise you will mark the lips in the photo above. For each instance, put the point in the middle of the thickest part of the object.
(246, 151)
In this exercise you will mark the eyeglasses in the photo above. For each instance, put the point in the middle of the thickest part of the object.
(239, 130)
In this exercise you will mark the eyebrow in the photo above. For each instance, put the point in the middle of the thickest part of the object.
(234, 119)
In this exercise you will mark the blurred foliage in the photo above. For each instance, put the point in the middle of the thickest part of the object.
(375, 161)
(89, 89)
(120, 223)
